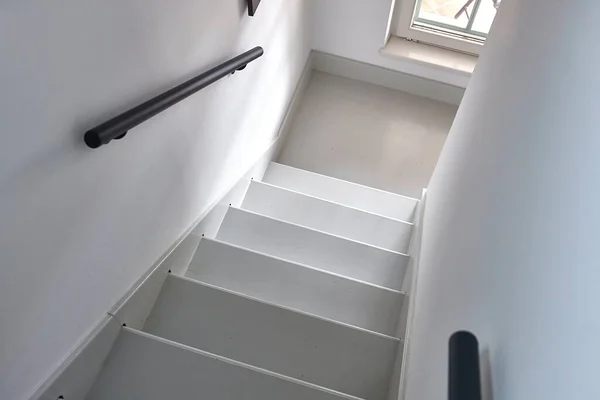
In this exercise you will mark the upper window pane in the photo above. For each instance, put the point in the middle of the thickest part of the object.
(468, 18)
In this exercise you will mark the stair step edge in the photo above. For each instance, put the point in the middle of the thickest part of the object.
(235, 246)
(348, 182)
(319, 231)
(332, 202)
(198, 281)
(238, 363)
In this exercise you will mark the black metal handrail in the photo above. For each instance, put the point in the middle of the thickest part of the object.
(464, 381)
(117, 127)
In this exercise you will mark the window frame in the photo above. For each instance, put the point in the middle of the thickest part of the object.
(438, 37)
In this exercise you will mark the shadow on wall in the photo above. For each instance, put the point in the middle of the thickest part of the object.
(243, 7)
(278, 74)
(487, 386)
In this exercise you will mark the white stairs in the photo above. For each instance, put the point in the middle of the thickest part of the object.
(298, 297)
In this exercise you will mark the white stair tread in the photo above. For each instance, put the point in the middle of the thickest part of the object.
(144, 367)
(314, 248)
(328, 217)
(343, 192)
(297, 286)
(300, 346)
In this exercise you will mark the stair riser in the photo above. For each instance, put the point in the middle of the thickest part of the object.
(343, 192)
(328, 217)
(296, 345)
(294, 286)
(143, 368)
(314, 248)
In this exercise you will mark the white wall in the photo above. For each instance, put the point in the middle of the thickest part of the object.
(78, 227)
(510, 244)
(356, 29)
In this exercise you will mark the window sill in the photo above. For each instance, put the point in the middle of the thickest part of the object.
(459, 64)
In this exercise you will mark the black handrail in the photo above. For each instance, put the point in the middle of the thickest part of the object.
(464, 381)
(117, 127)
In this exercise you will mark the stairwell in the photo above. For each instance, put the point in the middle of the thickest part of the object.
(309, 288)
(299, 296)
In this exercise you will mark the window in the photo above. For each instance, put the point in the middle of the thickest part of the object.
(460, 25)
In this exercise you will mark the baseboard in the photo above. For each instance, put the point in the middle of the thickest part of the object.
(380, 76)
(397, 382)
(415, 251)
(76, 374)
(292, 110)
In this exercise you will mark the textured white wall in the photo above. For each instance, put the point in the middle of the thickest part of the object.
(78, 227)
(356, 29)
(510, 245)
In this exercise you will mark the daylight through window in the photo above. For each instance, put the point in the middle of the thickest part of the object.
(458, 24)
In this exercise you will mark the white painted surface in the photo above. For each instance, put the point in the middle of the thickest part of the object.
(75, 378)
(314, 248)
(209, 225)
(357, 30)
(295, 286)
(314, 350)
(328, 217)
(386, 77)
(296, 100)
(392, 19)
(135, 309)
(405, 28)
(430, 55)
(394, 382)
(407, 313)
(144, 367)
(510, 241)
(342, 192)
(135, 306)
(79, 227)
(367, 134)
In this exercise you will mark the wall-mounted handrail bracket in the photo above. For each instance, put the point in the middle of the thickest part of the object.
(117, 127)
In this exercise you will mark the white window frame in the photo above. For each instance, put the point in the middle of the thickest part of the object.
(437, 37)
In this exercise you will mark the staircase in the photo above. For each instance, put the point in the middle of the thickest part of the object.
(297, 297)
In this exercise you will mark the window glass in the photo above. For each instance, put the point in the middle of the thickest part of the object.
(469, 18)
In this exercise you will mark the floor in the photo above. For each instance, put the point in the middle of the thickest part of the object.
(368, 134)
